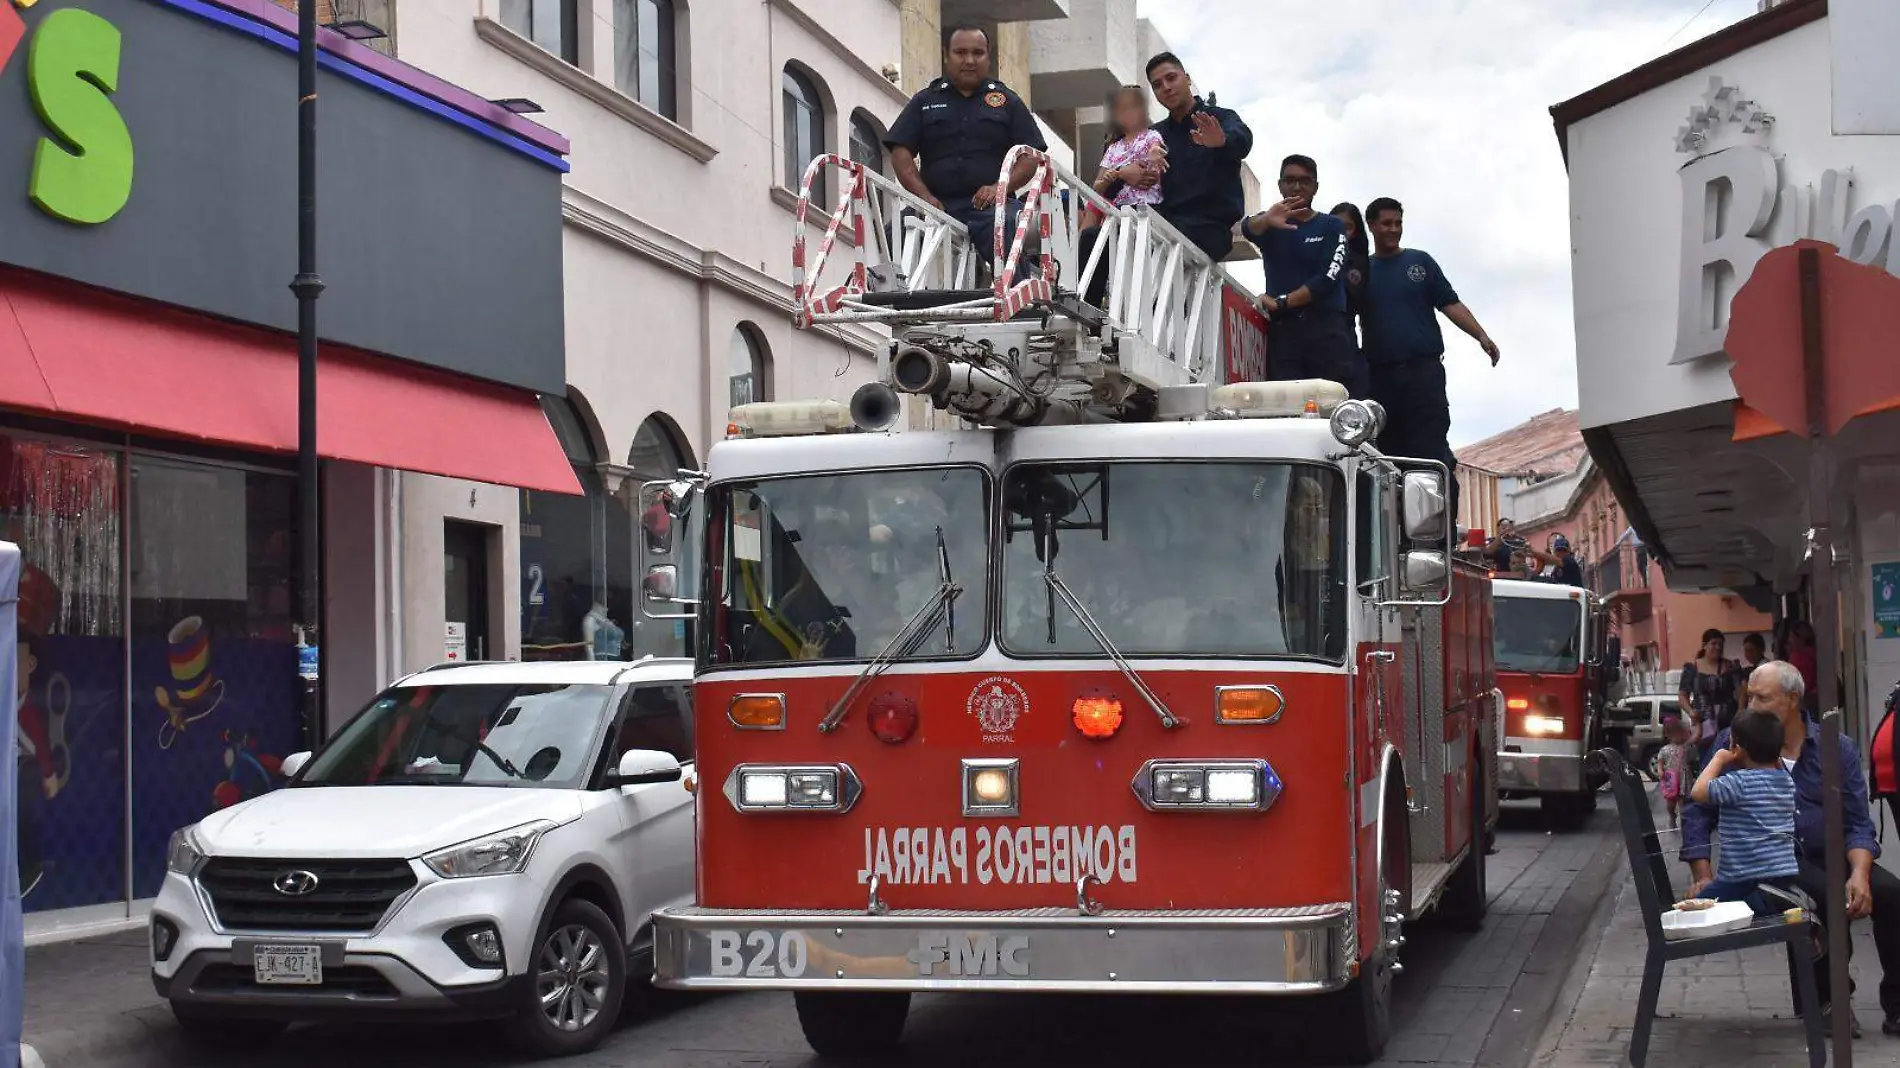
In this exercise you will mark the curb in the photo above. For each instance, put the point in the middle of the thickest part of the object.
(1537, 996)
(1572, 993)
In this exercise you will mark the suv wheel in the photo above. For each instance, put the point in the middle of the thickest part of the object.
(208, 1028)
(578, 976)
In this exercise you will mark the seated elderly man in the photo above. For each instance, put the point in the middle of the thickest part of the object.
(1777, 687)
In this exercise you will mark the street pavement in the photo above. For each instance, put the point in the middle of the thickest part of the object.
(1726, 1010)
(1464, 1000)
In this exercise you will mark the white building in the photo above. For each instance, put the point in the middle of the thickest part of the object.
(691, 123)
(1686, 176)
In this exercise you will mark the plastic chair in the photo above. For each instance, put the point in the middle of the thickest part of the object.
(1654, 895)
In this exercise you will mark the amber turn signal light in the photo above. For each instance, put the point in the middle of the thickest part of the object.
(1517, 704)
(1098, 715)
(1249, 704)
(757, 712)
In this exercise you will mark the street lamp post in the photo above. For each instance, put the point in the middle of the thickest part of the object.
(308, 286)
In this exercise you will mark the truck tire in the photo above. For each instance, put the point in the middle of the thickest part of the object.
(1361, 1014)
(578, 979)
(1466, 900)
(851, 1024)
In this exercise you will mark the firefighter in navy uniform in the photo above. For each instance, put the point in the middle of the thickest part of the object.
(961, 126)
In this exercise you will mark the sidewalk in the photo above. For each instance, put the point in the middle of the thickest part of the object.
(1728, 1010)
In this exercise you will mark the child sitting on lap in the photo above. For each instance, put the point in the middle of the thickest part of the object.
(1754, 796)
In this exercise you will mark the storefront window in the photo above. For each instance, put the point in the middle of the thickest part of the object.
(60, 503)
(216, 704)
(576, 559)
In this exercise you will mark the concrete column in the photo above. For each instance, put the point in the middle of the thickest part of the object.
(1011, 61)
(921, 49)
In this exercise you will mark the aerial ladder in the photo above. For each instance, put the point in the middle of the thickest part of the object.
(1025, 349)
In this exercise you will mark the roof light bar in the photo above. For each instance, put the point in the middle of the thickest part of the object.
(779, 419)
(1278, 400)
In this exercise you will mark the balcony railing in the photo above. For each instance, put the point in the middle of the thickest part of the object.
(1623, 571)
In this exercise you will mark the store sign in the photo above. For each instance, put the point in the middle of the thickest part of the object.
(1735, 208)
(82, 166)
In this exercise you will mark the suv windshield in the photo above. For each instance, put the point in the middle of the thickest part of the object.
(1177, 559)
(832, 567)
(1536, 634)
(481, 735)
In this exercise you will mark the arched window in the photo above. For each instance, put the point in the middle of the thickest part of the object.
(804, 131)
(645, 37)
(748, 366)
(552, 24)
(657, 451)
(867, 144)
(576, 552)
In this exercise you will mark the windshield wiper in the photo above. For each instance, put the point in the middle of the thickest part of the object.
(905, 642)
(500, 761)
(1059, 588)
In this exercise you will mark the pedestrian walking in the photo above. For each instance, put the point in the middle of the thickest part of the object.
(1707, 691)
(1311, 335)
(1676, 767)
(1405, 291)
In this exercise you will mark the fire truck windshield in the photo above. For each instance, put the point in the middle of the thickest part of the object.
(1537, 634)
(1177, 559)
(833, 567)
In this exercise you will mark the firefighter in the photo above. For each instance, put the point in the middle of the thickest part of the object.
(962, 126)
(1201, 193)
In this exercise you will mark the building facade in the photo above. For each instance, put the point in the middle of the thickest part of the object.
(1691, 179)
(149, 405)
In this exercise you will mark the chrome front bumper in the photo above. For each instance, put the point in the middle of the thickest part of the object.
(1540, 773)
(1237, 951)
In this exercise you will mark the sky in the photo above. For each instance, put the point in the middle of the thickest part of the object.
(1445, 105)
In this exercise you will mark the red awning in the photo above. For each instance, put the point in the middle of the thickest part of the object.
(96, 357)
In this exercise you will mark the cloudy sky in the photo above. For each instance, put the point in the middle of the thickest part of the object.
(1443, 104)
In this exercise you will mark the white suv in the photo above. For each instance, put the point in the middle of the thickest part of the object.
(483, 841)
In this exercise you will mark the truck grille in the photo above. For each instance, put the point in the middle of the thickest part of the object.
(347, 896)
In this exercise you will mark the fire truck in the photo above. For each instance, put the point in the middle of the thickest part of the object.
(1135, 675)
(1553, 666)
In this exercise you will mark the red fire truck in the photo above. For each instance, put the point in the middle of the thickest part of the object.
(1137, 679)
(1553, 669)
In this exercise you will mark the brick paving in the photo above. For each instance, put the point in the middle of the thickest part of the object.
(1726, 1010)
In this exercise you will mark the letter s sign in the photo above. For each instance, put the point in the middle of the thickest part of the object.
(83, 172)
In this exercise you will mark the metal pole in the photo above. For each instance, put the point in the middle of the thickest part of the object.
(1826, 620)
(307, 286)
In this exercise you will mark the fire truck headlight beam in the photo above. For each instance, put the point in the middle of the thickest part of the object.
(792, 787)
(989, 787)
(1207, 785)
(1544, 724)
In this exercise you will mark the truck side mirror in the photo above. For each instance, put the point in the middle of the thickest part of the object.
(1424, 575)
(1422, 506)
(669, 525)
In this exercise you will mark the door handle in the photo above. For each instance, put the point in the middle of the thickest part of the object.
(1381, 656)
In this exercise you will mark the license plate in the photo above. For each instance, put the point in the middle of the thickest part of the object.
(287, 965)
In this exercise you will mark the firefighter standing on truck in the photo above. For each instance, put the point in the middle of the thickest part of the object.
(962, 126)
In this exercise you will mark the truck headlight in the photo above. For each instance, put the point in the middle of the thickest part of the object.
(792, 787)
(183, 855)
(504, 853)
(1544, 724)
(1208, 785)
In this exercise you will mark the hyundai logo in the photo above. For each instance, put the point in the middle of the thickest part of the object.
(295, 883)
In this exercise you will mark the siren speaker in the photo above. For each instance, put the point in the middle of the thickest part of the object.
(874, 406)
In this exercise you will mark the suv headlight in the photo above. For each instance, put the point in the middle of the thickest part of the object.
(183, 855)
(503, 853)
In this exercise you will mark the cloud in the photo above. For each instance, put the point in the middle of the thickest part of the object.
(1443, 104)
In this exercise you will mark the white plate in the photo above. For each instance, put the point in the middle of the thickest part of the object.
(1720, 918)
(299, 965)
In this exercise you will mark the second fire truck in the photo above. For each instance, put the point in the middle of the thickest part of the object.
(1138, 676)
(1554, 667)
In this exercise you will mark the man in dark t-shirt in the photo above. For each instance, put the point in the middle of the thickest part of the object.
(1311, 336)
(1405, 291)
(962, 126)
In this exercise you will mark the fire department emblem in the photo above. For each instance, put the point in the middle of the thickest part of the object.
(997, 703)
(1416, 272)
(996, 100)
